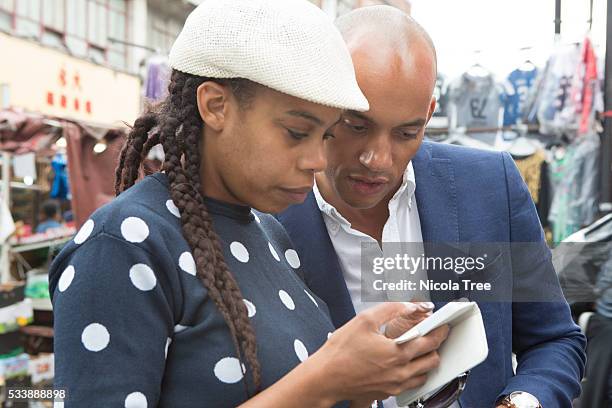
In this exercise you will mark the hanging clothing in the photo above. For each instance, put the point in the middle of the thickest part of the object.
(477, 101)
(60, 188)
(575, 177)
(441, 95)
(518, 85)
(587, 94)
(157, 79)
(534, 170)
(556, 111)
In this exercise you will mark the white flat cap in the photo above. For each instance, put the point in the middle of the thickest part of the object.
(288, 45)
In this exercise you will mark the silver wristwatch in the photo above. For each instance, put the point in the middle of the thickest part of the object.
(521, 399)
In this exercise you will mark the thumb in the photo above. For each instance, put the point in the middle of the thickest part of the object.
(384, 312)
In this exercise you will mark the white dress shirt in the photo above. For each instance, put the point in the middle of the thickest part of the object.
(403, 225)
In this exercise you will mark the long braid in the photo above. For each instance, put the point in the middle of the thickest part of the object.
(191, 129)
(125, 176)
(180, 131)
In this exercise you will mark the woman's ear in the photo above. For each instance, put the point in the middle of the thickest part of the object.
(212, 104)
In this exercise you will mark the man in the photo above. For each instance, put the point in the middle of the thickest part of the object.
(52, 217)
(384, 184)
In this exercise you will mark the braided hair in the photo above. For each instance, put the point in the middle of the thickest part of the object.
(178, 126)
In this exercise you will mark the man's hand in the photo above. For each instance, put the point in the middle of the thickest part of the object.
(415, 313)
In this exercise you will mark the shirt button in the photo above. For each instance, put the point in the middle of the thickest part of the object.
(334, 227)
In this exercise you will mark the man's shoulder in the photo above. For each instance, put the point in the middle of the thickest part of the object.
(438, 150)
(465, 161)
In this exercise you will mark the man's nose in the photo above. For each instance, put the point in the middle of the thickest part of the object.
(377, 155)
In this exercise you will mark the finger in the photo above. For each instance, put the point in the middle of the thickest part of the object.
(425, 344)
(414, 382)
(425, 306)
(423, 364)
(383, 313)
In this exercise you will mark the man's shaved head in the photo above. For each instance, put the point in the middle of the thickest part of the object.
(386, 33)
(395, 66)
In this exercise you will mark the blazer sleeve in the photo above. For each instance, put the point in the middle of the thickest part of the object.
(550, 348)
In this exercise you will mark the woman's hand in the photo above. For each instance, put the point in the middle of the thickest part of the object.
(358, 363)
(415, 313)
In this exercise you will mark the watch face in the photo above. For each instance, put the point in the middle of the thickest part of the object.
(524, 400)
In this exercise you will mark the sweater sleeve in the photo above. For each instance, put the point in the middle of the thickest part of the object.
(113, 323)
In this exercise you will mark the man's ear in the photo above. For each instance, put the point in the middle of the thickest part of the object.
(213, 99)
(432, 108)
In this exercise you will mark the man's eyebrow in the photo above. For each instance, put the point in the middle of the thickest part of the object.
(306, 115)
(359, 115)
(413, 123)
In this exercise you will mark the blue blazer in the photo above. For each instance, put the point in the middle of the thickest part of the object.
(468, 196)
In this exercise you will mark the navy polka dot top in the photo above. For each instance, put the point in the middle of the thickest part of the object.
(134, 326)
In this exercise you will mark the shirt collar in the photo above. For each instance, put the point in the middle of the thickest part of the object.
(403, 195)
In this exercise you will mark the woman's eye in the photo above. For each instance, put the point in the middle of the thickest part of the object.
(297, 135)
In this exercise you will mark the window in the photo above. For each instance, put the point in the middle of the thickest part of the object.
(162, 31)
(7, 9)
(27, 22)
(85, 28)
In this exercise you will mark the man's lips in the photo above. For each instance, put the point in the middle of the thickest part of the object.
(369, 180)
(368, 185)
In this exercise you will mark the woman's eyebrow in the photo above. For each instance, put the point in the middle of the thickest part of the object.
(306, 115)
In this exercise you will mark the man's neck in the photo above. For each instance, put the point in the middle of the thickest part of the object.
(370, 221)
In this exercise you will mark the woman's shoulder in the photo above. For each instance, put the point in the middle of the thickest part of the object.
(143, 214)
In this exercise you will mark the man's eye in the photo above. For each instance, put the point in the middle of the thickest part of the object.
(328, 135)
(410, 135)
(355, 128)
(297, 135)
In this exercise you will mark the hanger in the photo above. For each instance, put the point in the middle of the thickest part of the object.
(477, 69)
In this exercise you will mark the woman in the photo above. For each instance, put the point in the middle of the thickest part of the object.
(177, 293)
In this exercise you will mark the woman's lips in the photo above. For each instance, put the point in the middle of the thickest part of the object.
(296, 195)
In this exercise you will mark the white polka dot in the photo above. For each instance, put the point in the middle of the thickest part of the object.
(173, 208)
(273, 251)
(187, 263)
(311, 298)
(84, 232)
(228, 370)
(168, 341)
(329, 335)
(134, 229)
(95, 337)
(256, 218)
(286, 299)
(292, 258)
(143, 277)
(300, 350)
(239, 251)
(250, 308)
(66, 278)
(179, 328)
(136, 400)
